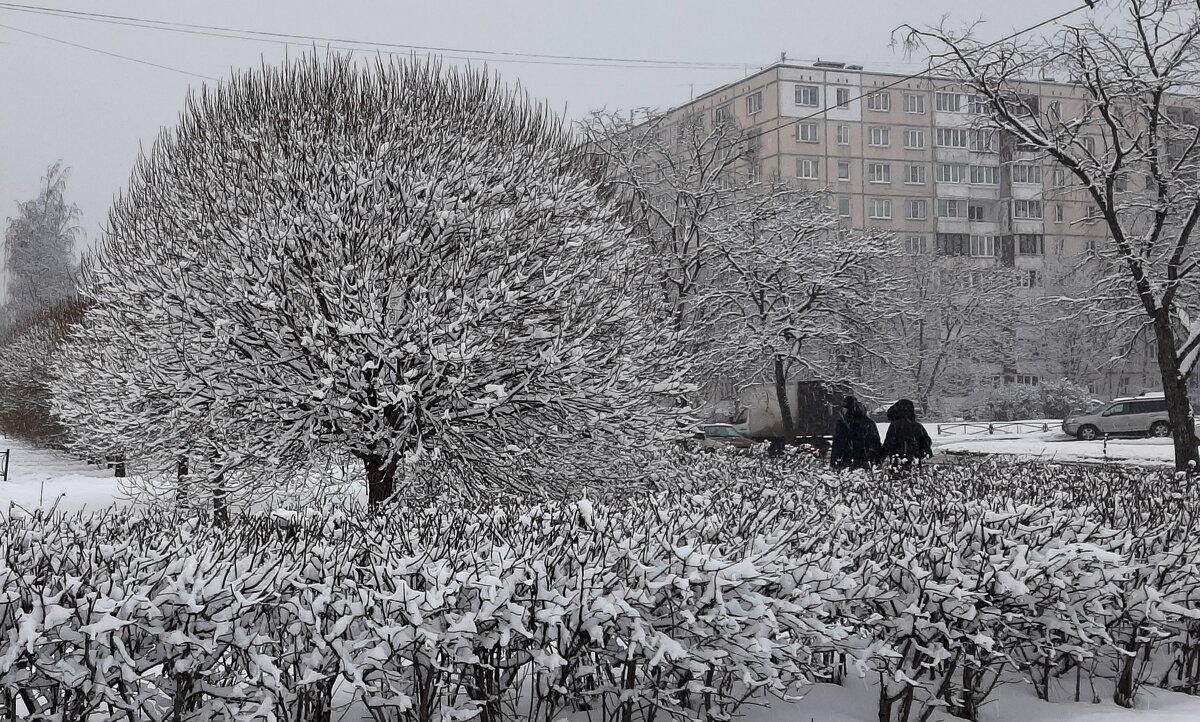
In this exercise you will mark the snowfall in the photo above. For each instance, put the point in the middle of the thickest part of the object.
(40, 478)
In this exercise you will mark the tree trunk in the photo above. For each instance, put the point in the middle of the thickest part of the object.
(1179, 409)
(381, 479)
(181, 481)
(785, 409)
(220, 502)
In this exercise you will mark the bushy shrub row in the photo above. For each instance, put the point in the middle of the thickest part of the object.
(1052, 400)
(752, 579)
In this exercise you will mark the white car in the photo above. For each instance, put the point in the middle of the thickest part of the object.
(1144, 415)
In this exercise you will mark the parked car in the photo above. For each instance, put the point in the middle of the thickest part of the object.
(1144, 415)
(724, 436)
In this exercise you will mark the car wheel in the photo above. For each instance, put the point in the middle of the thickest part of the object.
(1161, 429)
(1087, 433)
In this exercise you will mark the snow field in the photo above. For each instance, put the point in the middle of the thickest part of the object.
(749, 579)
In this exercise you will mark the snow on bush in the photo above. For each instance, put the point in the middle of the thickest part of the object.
(753, 578)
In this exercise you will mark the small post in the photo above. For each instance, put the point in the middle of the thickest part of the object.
(4, 468)
(991, 429)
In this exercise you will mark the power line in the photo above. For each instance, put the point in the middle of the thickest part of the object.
(110, 54)
(926, 73)
(291, 38)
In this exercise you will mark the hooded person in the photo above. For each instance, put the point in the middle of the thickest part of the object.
(907, 441)
(855, 438)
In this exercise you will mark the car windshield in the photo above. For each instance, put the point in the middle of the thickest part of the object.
(720, 431)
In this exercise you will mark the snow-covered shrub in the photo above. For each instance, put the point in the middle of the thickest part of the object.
(409, 264)
(1012, 402)
(1062, 398)
(758, 579)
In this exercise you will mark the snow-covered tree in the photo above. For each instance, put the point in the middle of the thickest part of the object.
(677, 180)
(27, 354)
(38, 247)
(794, 295)
(955, 320)
(1126, 135)
(403, 262)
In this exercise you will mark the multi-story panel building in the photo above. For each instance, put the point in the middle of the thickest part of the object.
(914, 156)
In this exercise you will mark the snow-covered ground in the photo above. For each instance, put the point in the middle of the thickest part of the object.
(40, 478)
(1052, 445)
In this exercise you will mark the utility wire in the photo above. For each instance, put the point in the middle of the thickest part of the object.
(292, 38)
(110, 54)
(927, 73)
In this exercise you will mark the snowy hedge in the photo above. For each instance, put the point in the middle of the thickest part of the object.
(684, 604)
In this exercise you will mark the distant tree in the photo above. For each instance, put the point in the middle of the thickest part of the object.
(1128, 139)
(793, 295)
(38, 247)
(750, 266)
(402, 262)
(955, 318)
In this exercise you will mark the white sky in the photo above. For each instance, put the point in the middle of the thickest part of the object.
(94, 111)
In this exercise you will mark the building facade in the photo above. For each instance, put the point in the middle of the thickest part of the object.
(914, 156)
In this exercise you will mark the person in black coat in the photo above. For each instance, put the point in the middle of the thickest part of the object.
(855, 438)
(907, 441)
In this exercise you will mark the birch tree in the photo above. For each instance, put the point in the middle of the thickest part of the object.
(1125, 132)
(38, 246)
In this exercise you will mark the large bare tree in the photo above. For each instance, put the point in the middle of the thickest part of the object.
(1124, 132)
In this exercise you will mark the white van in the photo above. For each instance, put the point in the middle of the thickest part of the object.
(1144, 415)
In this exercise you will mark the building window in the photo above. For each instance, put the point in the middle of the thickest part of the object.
(1030, 279)
(806, 132)
(914, 139)
(917, 210)
(808, 95)
(843, 97)
(843, 135)
(844, 206)
(976, 212)
(1059, 178)
(953, 244)
(843, 170)
(948, 102)
(881, 208)
(952, 137)
(1026, 173)
(983, 141)
(1089, 144)
(914, 174)
(807, 168)
(754, 103)
(916, 245)
(881, 137)
(914, 103)
(984, 175)
(881, 101)
(722, 113)
(983, 246)
(951, 208)
(1029, 244)
(951, 173)
(1026, 379)
(1058, 213)
(879, 172)
(1027, 210)
(1094, 214)
(1089, 247)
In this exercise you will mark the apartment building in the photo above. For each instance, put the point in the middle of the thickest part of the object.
(912, 155)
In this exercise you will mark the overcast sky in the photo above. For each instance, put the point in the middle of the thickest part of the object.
(94, 111)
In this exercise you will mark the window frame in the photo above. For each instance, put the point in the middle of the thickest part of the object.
(802, 89)
(801, 127)
(886, 204)
(873, 176)
(880, 101)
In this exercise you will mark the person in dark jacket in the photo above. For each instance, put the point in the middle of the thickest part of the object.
(907, 441)
(855, 438)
